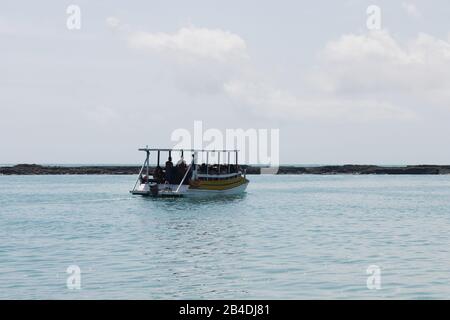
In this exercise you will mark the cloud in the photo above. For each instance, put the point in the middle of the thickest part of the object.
(411, 10)
(358, 77)
(361, 77)
(116, 25)
(375, 64)
(197, 60)
(194, 43)
(273, 103)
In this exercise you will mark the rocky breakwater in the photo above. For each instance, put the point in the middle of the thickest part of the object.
(34, 169)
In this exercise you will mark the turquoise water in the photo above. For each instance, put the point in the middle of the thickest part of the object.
(289, 237)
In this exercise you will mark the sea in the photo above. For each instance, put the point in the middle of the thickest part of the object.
(287, 237)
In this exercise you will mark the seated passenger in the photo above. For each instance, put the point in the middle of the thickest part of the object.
(212, 170)
(143, 179)
(158, 174)
(179, 172)
(169, 170)
(181, 162)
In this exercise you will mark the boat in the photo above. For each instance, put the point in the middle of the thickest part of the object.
(182, 180)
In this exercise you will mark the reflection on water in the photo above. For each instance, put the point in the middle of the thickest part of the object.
(287, 237)
(188, 203)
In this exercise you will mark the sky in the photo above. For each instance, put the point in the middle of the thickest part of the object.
(135, 71)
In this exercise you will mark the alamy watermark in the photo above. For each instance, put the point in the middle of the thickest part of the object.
(373, 21)
(259, 147)
(373, 281)
(73, 281)
(73, 21)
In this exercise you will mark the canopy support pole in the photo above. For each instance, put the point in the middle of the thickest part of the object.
(148, 163)
(218, 161)
(207, 161)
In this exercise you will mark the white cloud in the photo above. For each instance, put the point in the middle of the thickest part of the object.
(274, 103)
(218, 63)
(411, 10)
(361, 77)
(116, 25)
(193, 43)
(375, 64)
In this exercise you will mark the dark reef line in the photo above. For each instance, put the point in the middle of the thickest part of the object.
(34, 169)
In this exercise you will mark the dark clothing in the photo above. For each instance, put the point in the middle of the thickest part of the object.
(169, 172)
(158, 175)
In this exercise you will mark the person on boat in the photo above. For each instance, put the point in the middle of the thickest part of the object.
(169, 170)
(158, 174)
(223, 169)
(180, 170)
(181, 162)
(143, 179)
